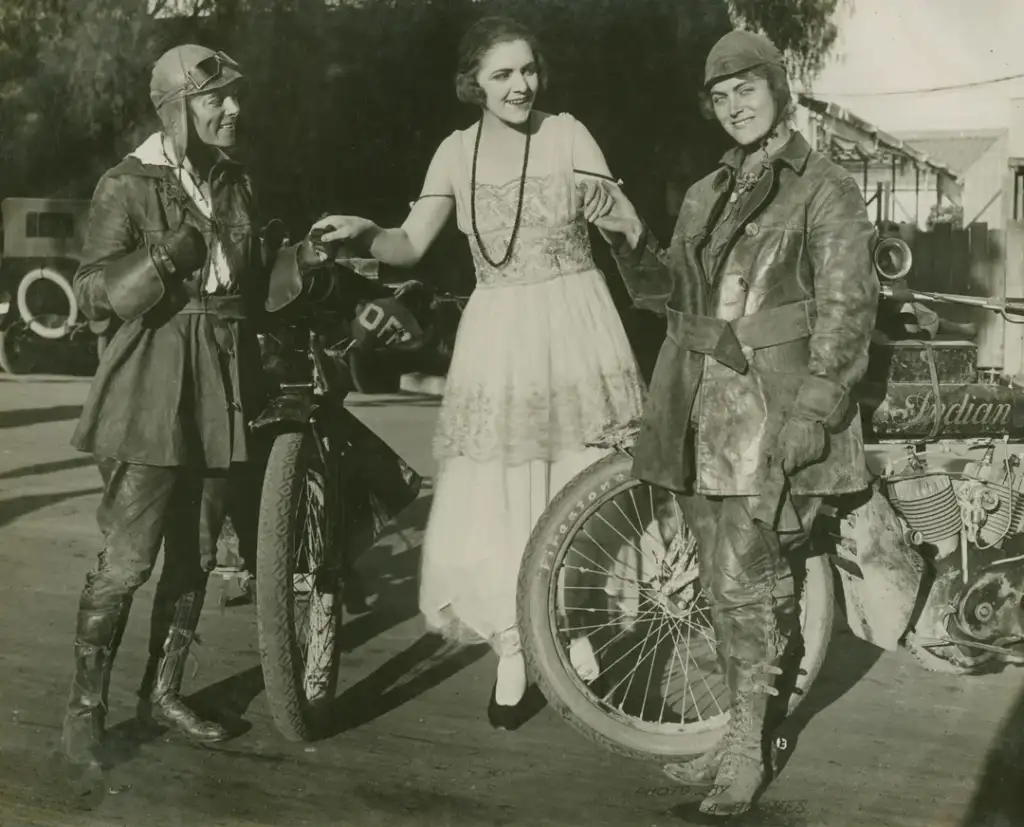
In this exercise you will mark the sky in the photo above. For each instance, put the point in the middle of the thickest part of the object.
(901, 45)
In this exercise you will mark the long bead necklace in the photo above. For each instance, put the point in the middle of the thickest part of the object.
(519, 205)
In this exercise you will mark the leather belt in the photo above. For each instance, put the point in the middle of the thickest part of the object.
(223, 307)
(733, 343)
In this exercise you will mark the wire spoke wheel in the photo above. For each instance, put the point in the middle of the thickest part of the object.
(298, 584)
(617, 628)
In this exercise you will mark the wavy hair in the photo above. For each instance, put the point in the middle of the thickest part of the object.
(483, 36)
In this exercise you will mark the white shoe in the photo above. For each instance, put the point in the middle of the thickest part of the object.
(583, 659)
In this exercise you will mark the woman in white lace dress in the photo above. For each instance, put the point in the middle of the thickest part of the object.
(541, 362)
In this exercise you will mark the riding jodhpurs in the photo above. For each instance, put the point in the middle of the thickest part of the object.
(141, 508)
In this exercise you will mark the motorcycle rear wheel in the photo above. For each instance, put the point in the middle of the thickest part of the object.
(298, 601)
(603, 711)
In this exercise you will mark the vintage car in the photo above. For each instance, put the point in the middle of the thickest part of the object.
(40, 323)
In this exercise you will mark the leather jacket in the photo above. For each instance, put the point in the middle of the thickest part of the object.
(773, 322)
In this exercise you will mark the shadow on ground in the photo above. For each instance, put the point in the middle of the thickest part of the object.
(21, 417)
(16, 507)
(998, 800)
(47, 467)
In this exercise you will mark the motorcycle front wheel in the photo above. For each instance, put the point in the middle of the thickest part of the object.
(611, 562)
(298, 575)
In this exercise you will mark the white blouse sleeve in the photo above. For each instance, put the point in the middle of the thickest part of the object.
(587, 157)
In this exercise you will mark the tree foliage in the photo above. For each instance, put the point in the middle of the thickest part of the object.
(803, 29)
(347, 99)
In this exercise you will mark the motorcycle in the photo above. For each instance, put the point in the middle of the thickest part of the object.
(923, 559)
(330, 484)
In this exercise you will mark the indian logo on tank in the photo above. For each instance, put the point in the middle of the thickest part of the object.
(962, 410)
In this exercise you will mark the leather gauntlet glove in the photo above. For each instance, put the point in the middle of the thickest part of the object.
(821, 403)
(181, 252)
(317, 274)
(802, 442)
(135, 283)
(273, 237)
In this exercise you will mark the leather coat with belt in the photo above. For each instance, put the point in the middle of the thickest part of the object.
(177, 385)
(779, 322)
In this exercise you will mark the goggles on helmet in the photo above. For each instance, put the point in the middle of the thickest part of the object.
(207, 71)
(212, 72)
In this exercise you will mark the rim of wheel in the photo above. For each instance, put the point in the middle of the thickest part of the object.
(8, 302)
(314, 583)
(46, 283)
(643, 600)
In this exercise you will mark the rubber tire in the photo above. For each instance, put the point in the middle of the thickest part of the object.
(563, 690)
(5, 359)
(58, 278)
(293, 716)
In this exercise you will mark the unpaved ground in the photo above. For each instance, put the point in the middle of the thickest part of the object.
(879, 741)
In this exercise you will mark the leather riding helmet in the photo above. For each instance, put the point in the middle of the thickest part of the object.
(180, 73)
(740, 51)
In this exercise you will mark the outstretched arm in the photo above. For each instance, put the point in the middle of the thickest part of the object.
(403, 246)
(640, 259)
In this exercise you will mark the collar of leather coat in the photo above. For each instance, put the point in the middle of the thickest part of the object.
(130, 165)
(794, 153)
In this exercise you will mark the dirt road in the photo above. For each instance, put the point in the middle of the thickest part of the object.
(878, 742)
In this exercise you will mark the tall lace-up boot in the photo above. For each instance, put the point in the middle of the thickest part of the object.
(161, 701)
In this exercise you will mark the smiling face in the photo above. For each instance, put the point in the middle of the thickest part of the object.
(215, 116)
(744, 106)
(509, 77)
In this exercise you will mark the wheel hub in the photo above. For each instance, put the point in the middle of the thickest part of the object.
(991, 608)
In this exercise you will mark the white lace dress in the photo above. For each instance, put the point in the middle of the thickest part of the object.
(541, 365)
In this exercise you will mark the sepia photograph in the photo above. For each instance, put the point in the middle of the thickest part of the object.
(484, 413)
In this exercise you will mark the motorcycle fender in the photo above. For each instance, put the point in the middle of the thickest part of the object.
(880, 571)
(292, 409)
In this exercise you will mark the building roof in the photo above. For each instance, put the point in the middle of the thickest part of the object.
(847, 137)
(960, 149)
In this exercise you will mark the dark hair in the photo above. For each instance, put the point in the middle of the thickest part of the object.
(483, 36)
(778, 86)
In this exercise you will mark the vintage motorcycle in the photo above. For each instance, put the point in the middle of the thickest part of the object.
(329, 484)
(925, 558)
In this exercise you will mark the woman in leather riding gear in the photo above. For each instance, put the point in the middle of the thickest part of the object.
(173, 253)
(770, 297)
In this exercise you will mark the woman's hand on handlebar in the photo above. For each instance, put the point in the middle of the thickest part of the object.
(342, 228)
(408, 286)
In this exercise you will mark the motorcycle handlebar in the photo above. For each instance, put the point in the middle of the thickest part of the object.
(998, 304)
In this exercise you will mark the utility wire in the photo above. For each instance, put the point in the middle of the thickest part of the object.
(949, 88)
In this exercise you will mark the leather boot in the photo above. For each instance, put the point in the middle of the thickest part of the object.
(97, 637)
(701, 771)
(753, 666)
(161, 701)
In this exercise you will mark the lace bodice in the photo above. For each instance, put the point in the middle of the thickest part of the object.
(552, 239)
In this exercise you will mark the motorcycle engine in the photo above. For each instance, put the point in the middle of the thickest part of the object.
(929, 505)
(980, 504)
(992, 501)
(990, 608)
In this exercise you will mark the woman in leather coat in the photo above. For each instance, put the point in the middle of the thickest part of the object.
(172, 252)
(770, 297)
